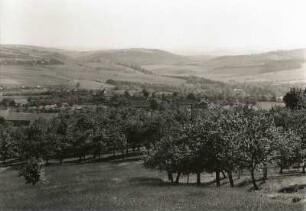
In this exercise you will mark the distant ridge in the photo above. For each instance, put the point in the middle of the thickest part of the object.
(33, 65)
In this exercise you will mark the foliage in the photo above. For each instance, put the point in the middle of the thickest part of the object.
(32, 171)
(294, 99)
(188, 139)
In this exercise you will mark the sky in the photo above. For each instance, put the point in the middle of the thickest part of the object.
(165, 24)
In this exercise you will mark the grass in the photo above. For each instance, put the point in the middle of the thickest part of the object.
(128, 186)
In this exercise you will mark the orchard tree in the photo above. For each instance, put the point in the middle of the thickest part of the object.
(6, 142)
(35, 143)
(170, 154)
(33, 149)
(60, 138)
(256, 140)
(287, 149)
(81, 134)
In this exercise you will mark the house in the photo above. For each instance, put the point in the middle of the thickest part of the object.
(21, 101)
(280, 98)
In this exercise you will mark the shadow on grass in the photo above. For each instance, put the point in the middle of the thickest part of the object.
(247, 182)
(119, 158)
(287, 174)
(132, 159)
(133, 156)
(151, 181)
(11, 163)
(213, 182)
(292, 188)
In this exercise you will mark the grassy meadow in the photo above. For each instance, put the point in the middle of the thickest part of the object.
(127, 185)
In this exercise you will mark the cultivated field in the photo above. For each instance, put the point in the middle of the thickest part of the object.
(29, 65)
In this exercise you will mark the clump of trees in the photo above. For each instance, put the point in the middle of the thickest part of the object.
(226, 140)
(295, 98)
(179, 140)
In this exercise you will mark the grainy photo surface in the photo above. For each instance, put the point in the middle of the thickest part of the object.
(146, 105)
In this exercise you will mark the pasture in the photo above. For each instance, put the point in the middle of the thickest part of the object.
(250, 73)
(126, 185)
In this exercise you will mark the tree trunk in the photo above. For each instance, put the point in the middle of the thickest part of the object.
(187, 178)
(198, 178)
(61, 161)
(230, 178)
(218, 178)
(281, 170)
(224, 175)
(170, 176)
(254, 180)
(304, 166)
(240, 173)
(177, 180)
(265, 173)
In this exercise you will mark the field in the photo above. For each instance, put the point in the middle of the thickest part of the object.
(128, 186)
(269, 105)
(31, 66)
(237, 74)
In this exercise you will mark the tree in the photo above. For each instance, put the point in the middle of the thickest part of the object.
(78, 85)
(294, 99)
(191, 96)
(228, 131)
(7, 102)
(293, 125)
(127, 94)
(287, 149)
(133, 130)
(33, 149)
(59, 138)
(6, 142)
(33, 171)
(256, 140)
(170, 155)
(35, 143)
(145, 93)
(81, 133)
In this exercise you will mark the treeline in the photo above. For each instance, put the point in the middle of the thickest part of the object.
(212, 90)
(178, 140)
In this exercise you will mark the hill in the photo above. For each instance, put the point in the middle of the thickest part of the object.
(31, 66)
(275, 66)
(139, 56)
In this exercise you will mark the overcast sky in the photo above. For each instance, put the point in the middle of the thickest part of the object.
(166, 24)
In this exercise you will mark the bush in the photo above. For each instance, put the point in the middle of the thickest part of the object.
(33, 171)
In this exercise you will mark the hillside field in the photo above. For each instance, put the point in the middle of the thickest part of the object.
(128, 186)
(32, 66)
